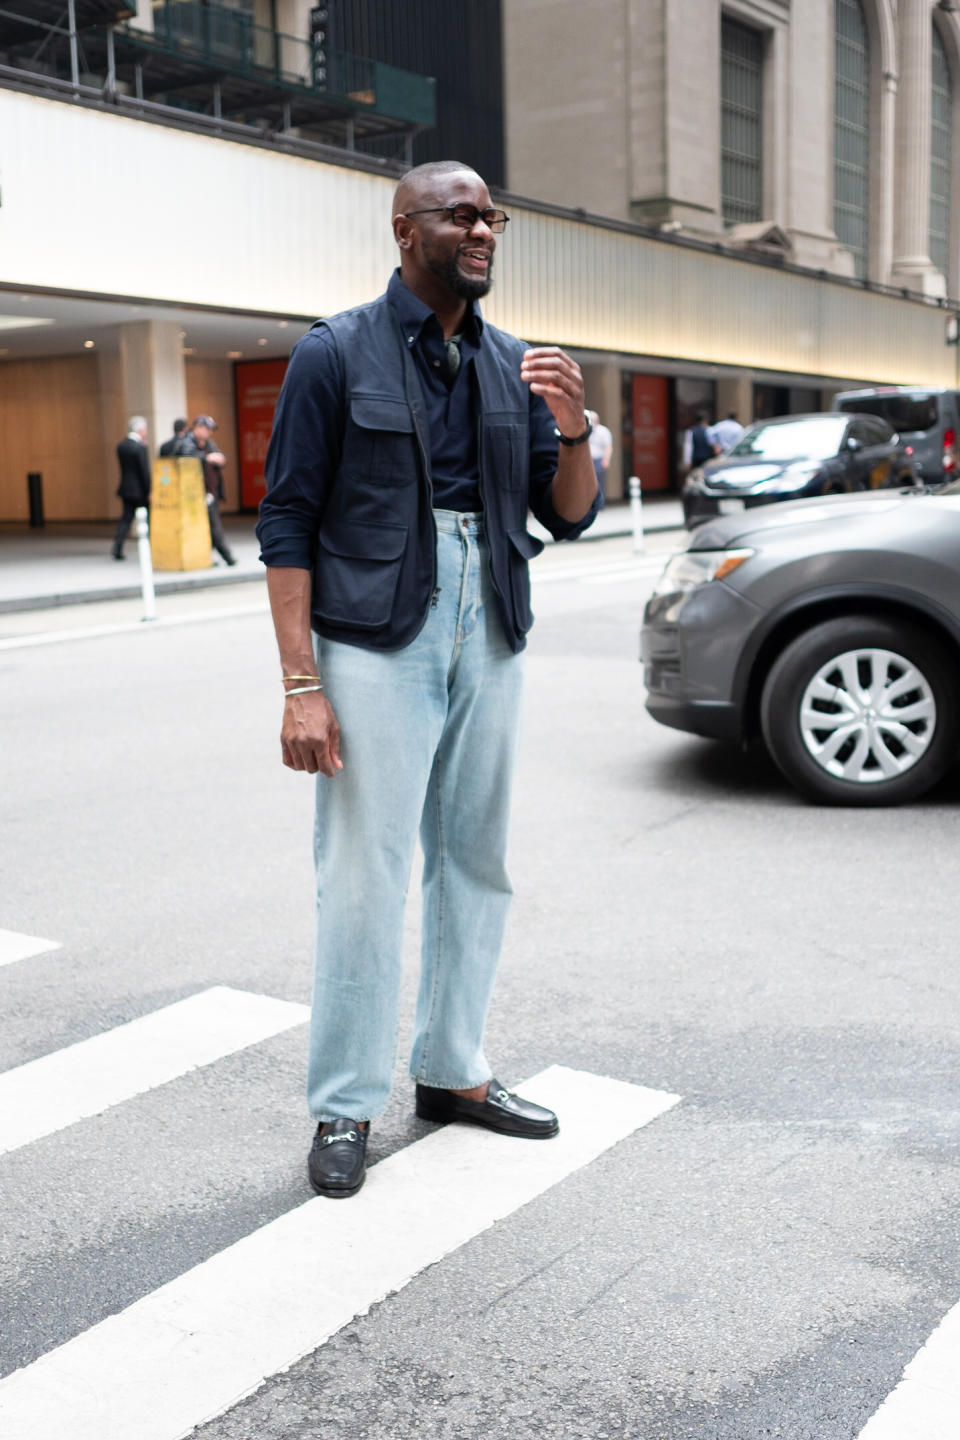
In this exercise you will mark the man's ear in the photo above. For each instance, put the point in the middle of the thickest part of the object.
(403, 231)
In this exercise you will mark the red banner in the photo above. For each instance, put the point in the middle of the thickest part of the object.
(258, 384)
(650, 416)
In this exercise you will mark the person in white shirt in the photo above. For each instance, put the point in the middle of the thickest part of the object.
(601, 449)
(727, 432)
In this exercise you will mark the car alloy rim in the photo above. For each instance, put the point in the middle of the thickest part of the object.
(868, 715)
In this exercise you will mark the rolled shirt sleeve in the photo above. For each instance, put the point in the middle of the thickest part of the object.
(304, 452)
(543, 467)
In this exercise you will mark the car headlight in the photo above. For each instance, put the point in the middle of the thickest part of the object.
(692, 568)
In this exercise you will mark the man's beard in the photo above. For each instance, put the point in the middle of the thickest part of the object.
(461, 285)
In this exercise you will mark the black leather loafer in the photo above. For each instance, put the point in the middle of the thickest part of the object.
(502, 1111)
(338, 1159)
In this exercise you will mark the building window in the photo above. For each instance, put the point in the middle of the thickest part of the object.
(741, 128)
(940, 158)
(851, 133)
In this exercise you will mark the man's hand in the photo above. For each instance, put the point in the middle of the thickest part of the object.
(310, 735)
(550, 372)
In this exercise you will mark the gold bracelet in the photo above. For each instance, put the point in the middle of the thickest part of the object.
(303, 690)
(301, 677)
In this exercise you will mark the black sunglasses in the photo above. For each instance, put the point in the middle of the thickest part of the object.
(466, 216)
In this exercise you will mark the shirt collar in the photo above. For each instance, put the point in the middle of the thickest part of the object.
(413, 314)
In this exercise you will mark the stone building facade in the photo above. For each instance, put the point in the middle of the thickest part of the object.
(825, 129)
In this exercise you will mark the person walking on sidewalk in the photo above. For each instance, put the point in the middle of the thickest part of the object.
(134, 487)
(197, 442)
(410, 438)
(601, 452)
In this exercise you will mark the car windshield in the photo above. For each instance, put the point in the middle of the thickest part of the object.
(906, 413)
(813, 437)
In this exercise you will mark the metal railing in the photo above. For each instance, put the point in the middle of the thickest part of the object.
(218, 36)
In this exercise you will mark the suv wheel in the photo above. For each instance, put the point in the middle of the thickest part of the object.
(861, 711)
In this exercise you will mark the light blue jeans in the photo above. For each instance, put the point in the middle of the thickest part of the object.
(428, 739)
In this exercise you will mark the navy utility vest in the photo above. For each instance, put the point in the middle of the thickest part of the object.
(375, 569)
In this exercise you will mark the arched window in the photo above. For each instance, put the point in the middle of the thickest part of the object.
(851, 133)
(940, 158)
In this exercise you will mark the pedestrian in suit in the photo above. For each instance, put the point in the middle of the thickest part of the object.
(134, 487)
(169, 447)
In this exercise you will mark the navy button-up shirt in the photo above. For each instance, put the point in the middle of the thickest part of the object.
(450, 404)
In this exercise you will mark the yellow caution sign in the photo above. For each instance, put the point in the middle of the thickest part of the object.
(179, 528)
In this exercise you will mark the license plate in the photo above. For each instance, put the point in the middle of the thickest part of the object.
(730, 507)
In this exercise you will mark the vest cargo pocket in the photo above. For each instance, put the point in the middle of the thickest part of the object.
(382, 442)
(356, 574)
(523, 547)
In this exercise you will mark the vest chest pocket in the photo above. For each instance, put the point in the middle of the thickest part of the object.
(382, 438)
(506, 449)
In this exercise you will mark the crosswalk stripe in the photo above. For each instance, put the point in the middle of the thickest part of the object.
(14, 946)
(57, 1090)
(195, 1347)
(926, 1403)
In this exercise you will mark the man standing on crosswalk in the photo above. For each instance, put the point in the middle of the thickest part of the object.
(410, 439)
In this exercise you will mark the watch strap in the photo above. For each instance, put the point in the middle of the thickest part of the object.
(576, 439)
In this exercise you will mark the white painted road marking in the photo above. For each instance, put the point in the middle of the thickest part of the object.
(190, 1350)
(57, 1090)
(610, 571)
(926, 1403)
(14, 946)
(129, 627)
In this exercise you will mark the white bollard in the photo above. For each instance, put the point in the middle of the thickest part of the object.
(636, 514)
(146, 564)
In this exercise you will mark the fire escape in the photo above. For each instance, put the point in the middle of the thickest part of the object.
(215, 64)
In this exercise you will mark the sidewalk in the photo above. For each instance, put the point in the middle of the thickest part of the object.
(71, 564)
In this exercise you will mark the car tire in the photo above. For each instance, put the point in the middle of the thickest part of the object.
(861, 711)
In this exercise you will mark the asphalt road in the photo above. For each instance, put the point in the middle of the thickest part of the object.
(763, 1259)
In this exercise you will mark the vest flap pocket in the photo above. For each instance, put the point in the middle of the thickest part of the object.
(356, 574)
(527, 545)
(381, 412)
(364, 540)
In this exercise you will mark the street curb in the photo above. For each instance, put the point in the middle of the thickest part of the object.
(205, 580)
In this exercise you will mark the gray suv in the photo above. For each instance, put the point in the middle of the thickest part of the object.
(830, 627)
(927, 420)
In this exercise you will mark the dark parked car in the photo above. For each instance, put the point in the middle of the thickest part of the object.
(927, 420)
(796, 456)
(831, 628)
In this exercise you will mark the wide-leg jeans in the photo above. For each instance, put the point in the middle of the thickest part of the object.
(428, 740)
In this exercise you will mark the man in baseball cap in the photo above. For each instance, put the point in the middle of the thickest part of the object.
(197, 442)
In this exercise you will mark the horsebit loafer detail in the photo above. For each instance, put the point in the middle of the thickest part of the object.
(502, 1111)
(337, 1163)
